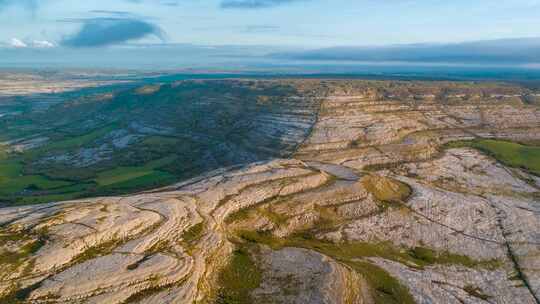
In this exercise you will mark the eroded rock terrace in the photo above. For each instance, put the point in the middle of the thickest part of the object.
(371, 208)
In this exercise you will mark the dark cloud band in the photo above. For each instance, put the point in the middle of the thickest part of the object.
(99, 32)
(494, 51)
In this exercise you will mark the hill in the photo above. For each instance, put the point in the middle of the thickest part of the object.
(371, 192)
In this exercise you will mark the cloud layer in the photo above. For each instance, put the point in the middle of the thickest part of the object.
(21, 44)
(254, 4)
(99, 32)
(6, 3)
(502, 51)
(17, 43)
(27, 4)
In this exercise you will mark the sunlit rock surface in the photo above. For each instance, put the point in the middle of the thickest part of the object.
(370, 209)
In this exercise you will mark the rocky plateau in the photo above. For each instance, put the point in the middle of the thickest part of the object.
(361, 198)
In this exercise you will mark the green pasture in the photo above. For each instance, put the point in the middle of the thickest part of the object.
(509, 153)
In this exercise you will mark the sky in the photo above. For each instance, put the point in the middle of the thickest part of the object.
(250, 33)
(289, 23)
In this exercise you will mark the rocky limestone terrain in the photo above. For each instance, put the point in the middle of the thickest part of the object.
(133, 139)
(373, 206)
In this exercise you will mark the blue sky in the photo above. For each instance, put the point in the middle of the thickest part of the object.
(293, 23)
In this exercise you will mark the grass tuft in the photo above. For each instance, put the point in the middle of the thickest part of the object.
(194, 233)
(238, 279)
(476, 292)
(385, 189)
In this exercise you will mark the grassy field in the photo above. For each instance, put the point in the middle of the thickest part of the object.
(23, 181)
(132, 177)
(177, 132)
(123, 174)
(18, 188)
(3, 153)
(119, 175)
(12, 180)
(509, 153)
(80, 141)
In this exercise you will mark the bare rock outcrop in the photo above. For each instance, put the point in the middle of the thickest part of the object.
(371, 208)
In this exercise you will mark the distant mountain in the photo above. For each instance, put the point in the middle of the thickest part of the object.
(525, 50)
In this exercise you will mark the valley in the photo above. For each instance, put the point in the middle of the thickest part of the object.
(135, 139)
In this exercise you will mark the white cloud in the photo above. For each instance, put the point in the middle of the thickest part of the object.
(17, 43)
(42, 44)
(38, 44)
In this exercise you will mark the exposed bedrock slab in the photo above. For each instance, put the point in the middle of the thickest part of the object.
(371, 208)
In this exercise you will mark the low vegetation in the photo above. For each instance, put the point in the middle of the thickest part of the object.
(17, 247)
(120, 176)
(476, 292)
(417, 257)
(509, 153)
(193, 234)
(93, 252)
(18, 295)
(386, 289)
(137, 139)
(238, 279)
(385, 189)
